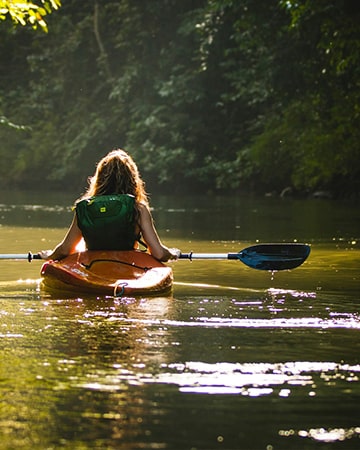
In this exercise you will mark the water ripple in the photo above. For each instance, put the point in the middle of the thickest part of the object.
(349, 322)
(247, 379)
(254, 379)
(324, 434)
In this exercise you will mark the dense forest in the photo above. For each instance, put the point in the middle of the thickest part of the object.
(207, 95)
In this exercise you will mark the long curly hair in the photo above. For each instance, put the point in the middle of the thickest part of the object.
(117, 173)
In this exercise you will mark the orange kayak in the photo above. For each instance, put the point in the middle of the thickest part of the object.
(116, 273)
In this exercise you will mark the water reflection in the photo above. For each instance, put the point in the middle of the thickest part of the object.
(325, 435)
(255, 379)
(207, 218)
(110, 366)
(234, 358)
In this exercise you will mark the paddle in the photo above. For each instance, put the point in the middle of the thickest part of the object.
(261, 256)
(29, 256)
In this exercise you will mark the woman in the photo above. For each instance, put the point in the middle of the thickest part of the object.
(113, 213)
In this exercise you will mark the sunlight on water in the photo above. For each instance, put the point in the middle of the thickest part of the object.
(235, 357)
(248, 379)
(253, 379)
(351, 321)
(296, 294)
(212, 286)
(324, 435)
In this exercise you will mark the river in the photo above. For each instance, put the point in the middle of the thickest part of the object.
(234, 358)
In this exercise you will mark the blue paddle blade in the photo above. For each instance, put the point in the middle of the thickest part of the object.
(273, 256)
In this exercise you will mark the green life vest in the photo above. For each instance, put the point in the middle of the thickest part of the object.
(107, 222)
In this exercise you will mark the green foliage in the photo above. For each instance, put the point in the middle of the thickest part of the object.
(212, 94)
(319, 125)
(28, 13)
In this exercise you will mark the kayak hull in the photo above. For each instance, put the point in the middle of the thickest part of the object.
(116, 273)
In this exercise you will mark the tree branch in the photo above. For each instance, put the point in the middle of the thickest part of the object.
(104, 60)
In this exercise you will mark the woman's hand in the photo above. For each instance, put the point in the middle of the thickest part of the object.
(174, 253)
(45, 254)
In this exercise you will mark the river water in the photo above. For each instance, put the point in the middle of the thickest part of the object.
(234, 358)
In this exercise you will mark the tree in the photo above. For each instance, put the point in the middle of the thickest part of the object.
(28, 13)
(220, 94)
(312, 139)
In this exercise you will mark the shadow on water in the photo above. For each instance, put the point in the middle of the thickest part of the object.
(234, 358)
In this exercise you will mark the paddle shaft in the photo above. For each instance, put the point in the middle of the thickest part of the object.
(192, 256)
(28, 256)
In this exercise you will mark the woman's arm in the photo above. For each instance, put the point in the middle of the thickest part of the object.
(67, 246)
(149, 233)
